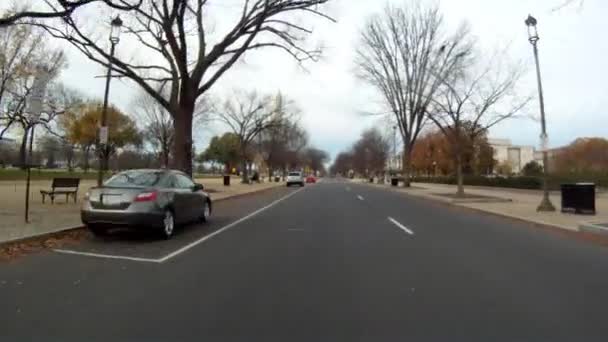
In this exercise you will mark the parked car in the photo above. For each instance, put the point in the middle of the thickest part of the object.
(149, 199)
(295, 177)
(311, 179)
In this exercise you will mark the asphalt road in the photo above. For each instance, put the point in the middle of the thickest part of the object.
(332, 262)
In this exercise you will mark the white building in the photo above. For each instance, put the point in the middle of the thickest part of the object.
(516, 156)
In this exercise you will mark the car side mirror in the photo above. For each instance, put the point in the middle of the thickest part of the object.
(198, 187)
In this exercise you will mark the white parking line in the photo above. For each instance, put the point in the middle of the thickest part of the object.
(107, 256)
(396, 223)
(182, 249)
(360, 197)
(221, 230)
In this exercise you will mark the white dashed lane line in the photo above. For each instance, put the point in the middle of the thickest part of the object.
(404, 228)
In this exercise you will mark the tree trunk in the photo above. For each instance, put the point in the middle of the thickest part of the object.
(244, 173)
(69, 156)
(406, 168)
(165, 157)
(182, 144)
(86, 158)
(23, 149)
(459, 176)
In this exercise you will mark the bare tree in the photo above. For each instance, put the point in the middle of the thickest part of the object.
(279, 145)
(405, 55)
(62, 9)
(158, 126)
(183, 58)
(21, 46)
(158, 123)
(247, 115)
(19, 103)
(370, 152)
(473, 100)
(315, 159)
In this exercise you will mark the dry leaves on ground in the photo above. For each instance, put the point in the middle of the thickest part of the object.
(11, 250)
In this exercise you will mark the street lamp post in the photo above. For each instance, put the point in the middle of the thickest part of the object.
(545, 204)
(116, 24)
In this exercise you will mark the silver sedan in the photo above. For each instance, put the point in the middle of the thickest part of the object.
(149, 199)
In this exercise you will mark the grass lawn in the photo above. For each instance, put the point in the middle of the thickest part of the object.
(43, 174)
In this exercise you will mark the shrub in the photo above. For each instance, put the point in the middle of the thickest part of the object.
(505, 182)
(532, 169)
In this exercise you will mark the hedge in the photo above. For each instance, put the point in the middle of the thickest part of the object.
(518, 182)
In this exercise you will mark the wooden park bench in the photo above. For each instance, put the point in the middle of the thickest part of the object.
(62, 186)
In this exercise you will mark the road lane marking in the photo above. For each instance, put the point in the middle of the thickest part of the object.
(360, 197)
(396, 223)
(106, 256)
(223, 229)
(182, 249)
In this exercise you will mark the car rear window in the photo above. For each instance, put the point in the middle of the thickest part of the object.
(135, 179)
(294, 173)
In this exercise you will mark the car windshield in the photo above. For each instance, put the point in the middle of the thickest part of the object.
(135, 178)
(296, 174)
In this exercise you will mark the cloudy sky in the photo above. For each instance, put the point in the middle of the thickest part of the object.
(573, 50)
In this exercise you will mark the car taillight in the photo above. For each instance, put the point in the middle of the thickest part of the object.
(146, 196)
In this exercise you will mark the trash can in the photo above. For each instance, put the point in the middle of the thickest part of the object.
(227, 180)
(394, 181)
(371, 179)
(578, 198)
(277, 179)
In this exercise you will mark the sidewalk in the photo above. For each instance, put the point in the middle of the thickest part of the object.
(510, 203)
(50, 218)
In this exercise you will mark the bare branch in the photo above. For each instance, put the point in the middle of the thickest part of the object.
(65, 8)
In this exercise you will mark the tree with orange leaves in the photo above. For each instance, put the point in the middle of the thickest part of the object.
(584, 155)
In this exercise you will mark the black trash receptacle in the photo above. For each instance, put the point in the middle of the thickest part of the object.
(578, 198)
(394, 181)
(371, 179)
(227, 180)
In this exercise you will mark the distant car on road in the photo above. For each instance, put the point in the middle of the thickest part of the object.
(311, 179)
(149, 199)
(295, 177)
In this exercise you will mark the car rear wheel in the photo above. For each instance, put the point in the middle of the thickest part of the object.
(168, 225)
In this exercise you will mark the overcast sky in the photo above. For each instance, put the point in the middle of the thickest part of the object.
(572, 51)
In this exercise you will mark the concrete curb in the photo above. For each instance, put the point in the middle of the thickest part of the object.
(594, 228)
(67, 229)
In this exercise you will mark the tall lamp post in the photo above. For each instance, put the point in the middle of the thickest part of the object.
(116, 24)
(545, 204)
